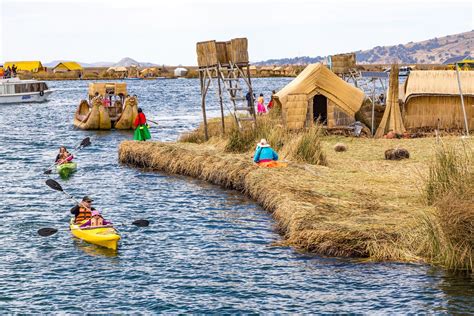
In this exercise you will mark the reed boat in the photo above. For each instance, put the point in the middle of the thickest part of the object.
(108, 106)
(14, 90)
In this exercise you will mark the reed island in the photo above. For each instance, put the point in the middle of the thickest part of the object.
(391, 181)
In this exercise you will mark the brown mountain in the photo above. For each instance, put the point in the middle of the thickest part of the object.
(432, 51)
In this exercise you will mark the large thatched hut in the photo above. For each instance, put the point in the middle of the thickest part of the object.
(318, 93)
(429, 96)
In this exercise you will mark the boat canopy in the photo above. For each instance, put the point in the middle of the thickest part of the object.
(108, 88)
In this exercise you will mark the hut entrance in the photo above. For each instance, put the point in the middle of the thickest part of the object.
(320, 108)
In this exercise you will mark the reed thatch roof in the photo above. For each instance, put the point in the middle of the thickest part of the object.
(33, 66)
(438, 83)
(117, 69)
(318, 79)
(67, 66)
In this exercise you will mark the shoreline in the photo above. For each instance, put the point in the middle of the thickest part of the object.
(317, 209)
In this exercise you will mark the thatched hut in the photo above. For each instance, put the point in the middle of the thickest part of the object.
(433, 95)
(31, 66)
(67, 66)
(318, 93)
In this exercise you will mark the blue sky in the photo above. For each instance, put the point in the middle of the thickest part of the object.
(166, 32)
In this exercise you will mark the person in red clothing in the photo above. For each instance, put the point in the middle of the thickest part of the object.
(142, 132)
(270, 104)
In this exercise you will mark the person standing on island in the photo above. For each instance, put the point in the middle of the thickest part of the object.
(261, 105)
(270, 104)
(141, 127)
(248, 96)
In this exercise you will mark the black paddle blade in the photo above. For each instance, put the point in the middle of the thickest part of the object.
(141, 223)
(45, 232)
(48, 171)
(85, 142)
(54, 185)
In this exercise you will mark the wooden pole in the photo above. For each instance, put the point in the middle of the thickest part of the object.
(373, 107)
(462, 101)
(202, 77)
(220, 101)
(251, 94)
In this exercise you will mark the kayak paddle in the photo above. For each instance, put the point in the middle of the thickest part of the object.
(57, 187)
(85, 142)
(48, 231)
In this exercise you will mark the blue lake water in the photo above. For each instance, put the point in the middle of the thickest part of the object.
(207, 249)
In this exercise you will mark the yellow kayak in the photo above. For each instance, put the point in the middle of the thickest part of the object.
(105, 236)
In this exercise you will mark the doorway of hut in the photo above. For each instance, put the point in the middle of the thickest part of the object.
(320, 108)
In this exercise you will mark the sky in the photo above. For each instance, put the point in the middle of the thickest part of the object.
(166, 32)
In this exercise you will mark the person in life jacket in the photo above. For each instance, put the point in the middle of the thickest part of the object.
(141, 127)
(96, 220)
(63, 156)
(83, 211)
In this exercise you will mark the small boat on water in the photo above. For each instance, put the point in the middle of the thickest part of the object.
(14, 90)
(104, 236)
(66, 169)
(108, 106)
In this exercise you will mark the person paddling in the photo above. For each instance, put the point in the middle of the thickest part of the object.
(83, 211)
(63, 156)
(141, 127)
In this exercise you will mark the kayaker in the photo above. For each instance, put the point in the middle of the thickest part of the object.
(264, 153)
(141, 127)
(64, 156)
(83, 211)
(96, 220)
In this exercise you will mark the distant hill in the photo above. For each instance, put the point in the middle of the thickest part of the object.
(126, 62)
(432, 51)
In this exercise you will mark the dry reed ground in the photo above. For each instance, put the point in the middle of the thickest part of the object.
(358, 205)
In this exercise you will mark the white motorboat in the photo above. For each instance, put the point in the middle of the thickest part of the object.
(14, 90)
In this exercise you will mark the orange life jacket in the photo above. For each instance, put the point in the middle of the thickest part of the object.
(84, 214)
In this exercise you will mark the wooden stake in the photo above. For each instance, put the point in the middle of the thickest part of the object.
(203, 103)
(462, 101)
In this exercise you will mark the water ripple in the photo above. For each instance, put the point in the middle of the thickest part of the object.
(207, 250)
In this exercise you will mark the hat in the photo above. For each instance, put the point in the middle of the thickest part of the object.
(87, 199)
(94, 213)
(263, 143)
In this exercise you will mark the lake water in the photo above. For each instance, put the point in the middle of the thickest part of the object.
(207, 249)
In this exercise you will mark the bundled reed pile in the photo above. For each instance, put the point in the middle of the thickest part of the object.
(392, 117)
(342, 63)
(210, 53)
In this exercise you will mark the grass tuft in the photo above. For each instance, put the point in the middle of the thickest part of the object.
(449, 229)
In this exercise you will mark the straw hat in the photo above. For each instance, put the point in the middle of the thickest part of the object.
(263, 143)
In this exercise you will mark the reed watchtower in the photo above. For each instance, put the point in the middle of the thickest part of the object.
(226, 66)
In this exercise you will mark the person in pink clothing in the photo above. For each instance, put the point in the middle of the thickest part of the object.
(261, 109)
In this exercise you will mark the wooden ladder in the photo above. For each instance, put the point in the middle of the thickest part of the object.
(231, 77)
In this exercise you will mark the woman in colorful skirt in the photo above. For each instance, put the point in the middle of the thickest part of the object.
(261, 105)
(141, 127)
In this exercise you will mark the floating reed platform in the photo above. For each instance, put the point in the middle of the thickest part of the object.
(358, 206)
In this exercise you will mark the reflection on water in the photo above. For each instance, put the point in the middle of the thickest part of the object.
(93, 250)
(206, 250)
